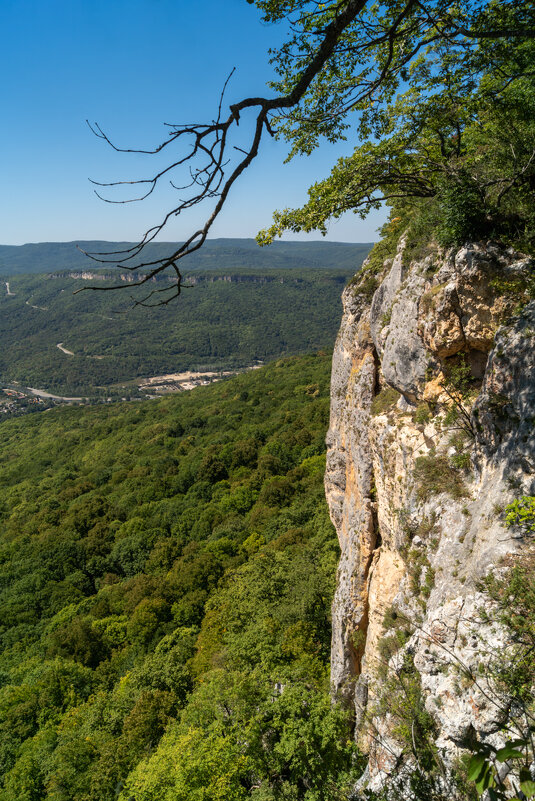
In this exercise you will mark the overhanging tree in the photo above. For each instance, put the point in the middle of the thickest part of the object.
(422, 86)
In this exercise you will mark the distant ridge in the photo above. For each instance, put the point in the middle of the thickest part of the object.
(48, 257)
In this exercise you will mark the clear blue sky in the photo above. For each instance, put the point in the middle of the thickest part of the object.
(132, 66)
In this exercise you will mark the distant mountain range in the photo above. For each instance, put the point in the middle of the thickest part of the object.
(48, 257)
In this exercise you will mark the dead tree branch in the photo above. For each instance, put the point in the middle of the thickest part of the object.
(380, 49)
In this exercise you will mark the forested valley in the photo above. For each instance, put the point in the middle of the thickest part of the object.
(167, 571)
(182, 615)
(225, 320)
(241, 305)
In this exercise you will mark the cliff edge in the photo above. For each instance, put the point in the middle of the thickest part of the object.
(430, 438)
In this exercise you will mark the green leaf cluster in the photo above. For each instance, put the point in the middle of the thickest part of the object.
(440, 100)
(521, 514)
(485, 773)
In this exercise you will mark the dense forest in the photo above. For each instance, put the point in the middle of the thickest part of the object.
(167, 570)
(224, 320)
(219, 254)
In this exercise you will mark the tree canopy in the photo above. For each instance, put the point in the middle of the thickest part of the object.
(166, 575)
(451, 125)
(427, 89)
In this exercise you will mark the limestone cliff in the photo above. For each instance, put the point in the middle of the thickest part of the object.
(431, 435)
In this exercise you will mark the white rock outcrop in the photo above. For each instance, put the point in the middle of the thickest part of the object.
(411, 538)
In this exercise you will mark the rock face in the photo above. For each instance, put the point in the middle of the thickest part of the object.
(431, 435)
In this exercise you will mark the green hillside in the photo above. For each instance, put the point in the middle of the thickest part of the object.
(46, 257)
(227, 320)
(166, 573)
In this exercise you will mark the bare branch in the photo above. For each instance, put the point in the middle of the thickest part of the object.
(212, 141)
(379, 48)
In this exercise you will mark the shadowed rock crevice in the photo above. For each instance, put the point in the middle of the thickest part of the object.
(413, 498)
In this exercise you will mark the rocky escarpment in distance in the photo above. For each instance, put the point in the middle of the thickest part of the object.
(431, 435)
(192, 280)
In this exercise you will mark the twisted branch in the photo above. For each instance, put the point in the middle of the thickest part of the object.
(381, 50)
(212, 141)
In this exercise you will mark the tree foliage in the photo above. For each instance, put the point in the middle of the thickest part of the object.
(167, 571)
(451, 130)
(437, 95)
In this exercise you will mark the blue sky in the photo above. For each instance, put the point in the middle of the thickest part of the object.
(132, 66)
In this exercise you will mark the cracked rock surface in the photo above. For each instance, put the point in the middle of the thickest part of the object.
(406, 543)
